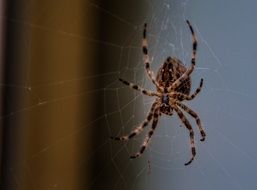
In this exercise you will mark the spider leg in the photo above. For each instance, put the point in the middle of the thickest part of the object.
(191, 132)
(136, 87)
(148, 137)
(177, 95)
(192, 66)
(140, 128)
(147, 60)
(196, 117)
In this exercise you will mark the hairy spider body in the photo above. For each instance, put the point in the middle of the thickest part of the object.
(171, 70)
(173, 86)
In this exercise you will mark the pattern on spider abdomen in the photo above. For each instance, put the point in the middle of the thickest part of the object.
(171, 70)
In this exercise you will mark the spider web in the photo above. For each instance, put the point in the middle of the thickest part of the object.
(226, 105)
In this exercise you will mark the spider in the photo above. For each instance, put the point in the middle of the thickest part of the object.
(173, 85)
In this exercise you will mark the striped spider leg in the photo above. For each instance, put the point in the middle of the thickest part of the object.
(146, 59)
(188, 72)
(178, 95)
(191, 132)
(195, 116)
(149, 135)
(140, 128)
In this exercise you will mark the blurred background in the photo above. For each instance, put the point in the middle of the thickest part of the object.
(61, 100)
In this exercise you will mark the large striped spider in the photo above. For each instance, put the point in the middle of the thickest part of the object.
(173, 85)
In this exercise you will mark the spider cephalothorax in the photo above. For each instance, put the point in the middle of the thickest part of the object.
(173, 86)
(165, 104)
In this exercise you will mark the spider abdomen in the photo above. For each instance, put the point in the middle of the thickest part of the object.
(171, 70)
